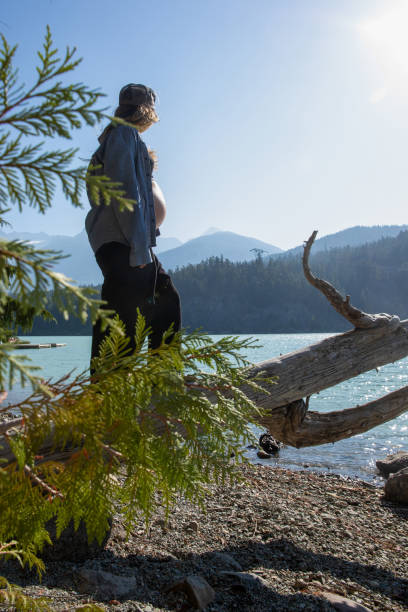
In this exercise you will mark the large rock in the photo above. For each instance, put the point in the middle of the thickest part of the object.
(396, 487)
(72, 545)
(393, 463)
(225, 560)
(104, 585)
(342, 604)
(197, 589)
(245, 580)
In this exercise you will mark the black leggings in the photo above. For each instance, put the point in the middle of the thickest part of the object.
(126, 288)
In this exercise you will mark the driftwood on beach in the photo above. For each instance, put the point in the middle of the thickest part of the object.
(374, 341)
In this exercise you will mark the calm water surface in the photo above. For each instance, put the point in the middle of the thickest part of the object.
(352, 457)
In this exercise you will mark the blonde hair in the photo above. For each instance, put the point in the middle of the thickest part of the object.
(153, 157)
(141, 116)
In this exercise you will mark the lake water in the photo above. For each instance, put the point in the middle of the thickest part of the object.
(352, 457)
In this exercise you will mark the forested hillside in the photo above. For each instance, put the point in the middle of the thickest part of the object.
(266, 296)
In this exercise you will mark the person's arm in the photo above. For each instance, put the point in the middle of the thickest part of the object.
(119, 165)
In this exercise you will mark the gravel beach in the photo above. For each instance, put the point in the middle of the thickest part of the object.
(281, 540)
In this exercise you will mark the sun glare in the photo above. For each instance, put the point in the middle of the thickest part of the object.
(386, 36)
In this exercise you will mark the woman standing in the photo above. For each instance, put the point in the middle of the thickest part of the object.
(122, 240)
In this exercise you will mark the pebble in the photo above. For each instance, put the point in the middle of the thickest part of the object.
(192, 526)
(271, 526)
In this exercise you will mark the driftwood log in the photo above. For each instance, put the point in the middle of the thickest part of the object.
(375, 340)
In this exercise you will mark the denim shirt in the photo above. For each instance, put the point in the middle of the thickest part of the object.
(123, 157)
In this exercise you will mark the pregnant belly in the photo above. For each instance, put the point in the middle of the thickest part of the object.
(159, 204)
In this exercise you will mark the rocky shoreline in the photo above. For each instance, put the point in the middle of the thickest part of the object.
(281, 540)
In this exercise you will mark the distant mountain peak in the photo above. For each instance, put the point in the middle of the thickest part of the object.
(228, 245)
(211, 230)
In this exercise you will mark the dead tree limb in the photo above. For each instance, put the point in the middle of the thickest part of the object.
(375, 341)
(358, 318)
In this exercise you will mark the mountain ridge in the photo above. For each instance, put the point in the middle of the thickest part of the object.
(81, 265)
(352, 236)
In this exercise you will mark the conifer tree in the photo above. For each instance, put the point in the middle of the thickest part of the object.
(146, 425)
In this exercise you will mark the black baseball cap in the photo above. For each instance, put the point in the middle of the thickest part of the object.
(134, 94)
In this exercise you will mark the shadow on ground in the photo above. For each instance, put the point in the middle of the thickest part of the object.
(260, 592)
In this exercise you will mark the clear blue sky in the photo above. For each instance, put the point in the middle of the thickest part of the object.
(277, 117)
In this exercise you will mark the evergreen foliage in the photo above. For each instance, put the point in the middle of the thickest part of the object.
(144, 423)
(153, 423)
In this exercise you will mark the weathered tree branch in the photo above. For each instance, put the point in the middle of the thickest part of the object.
(358, 318)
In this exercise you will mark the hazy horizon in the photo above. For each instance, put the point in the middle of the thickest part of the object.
(209, 231)
(275, 120)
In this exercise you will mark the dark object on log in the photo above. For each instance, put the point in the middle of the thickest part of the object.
(269, 444)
